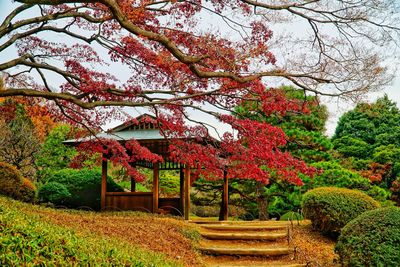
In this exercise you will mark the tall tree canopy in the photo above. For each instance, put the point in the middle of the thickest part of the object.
(176, 63)
(370, 134)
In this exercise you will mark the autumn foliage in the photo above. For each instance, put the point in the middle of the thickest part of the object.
(175, 65)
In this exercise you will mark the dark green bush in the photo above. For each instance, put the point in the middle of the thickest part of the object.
(54, 192)
(84, 186)
(291, 216)
(12, 184)
(331, 208)
(372, 239)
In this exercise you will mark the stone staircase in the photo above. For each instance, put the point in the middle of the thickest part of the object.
(241, 243)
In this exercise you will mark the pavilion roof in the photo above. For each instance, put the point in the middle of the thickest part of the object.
(138, 129)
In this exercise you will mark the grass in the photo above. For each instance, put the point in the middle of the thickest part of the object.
(32, 235)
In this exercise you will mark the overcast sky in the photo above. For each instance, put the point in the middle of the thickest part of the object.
(335, 108)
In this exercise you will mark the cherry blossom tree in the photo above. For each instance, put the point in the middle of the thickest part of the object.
(181, 59)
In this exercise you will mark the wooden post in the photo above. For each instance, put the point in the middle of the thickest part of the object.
(181, 185)
(133, 185)
(187, 192)
(225, 196)
(103, 183)
(155, 187)
(133, 182)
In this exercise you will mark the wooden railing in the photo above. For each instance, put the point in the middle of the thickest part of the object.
(141, 201)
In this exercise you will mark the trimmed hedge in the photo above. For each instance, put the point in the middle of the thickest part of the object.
(53, 192)
(26, 191)
(10, 178)
(331, 208)
(12, 184)
(84, 186)
(372, 239)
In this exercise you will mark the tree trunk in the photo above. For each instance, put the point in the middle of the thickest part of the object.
(262, 202)
(223, 212)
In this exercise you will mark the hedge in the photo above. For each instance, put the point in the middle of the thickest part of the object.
(84, 186)
(331, 208)
(12, 184)
(371, 239)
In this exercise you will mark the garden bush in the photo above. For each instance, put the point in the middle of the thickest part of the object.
(10, 179)
(291, 216)
(26, 191)
(371, 239)
(54, 192)
(84, 186)
(331, 208)
(12, 184)
(205, 211)
(335, 175)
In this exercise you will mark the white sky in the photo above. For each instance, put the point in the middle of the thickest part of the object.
(335, 107)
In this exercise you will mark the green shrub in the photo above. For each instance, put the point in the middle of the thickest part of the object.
(335, 175)
(372, 239)
(54, 192)
(291, 216)
(26, 191)
(84, 186)
(12, 184)
(331, 208)
(169, 184)
(379, 193)
(205, 211)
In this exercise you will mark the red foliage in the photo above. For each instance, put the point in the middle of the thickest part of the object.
(117, 154)
(376, 172)
(163, 52)
(252, 154)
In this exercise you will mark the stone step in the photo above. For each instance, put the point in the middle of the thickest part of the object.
(248, 227)
(243, 251)
(259, 265)
(205, 221)
(243, 236)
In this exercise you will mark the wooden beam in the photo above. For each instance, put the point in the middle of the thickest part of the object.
(103, 183)
(155, 187)
(181, 188)
(187, 192)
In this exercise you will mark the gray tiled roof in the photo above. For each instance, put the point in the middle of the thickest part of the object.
(149, 134)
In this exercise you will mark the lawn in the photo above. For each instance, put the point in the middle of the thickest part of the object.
(34, 235)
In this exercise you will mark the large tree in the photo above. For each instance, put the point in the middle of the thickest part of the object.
(368, 138)
(19, 142)
(176, 63)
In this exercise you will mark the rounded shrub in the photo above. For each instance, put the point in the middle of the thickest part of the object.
(12, 184)
(371, 239)
(291, 216)
(84, 185)
(26, 191)
(10, 180)
(331, 208)
(54, 192)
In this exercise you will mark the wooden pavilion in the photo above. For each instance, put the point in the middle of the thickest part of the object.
(148, 135)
